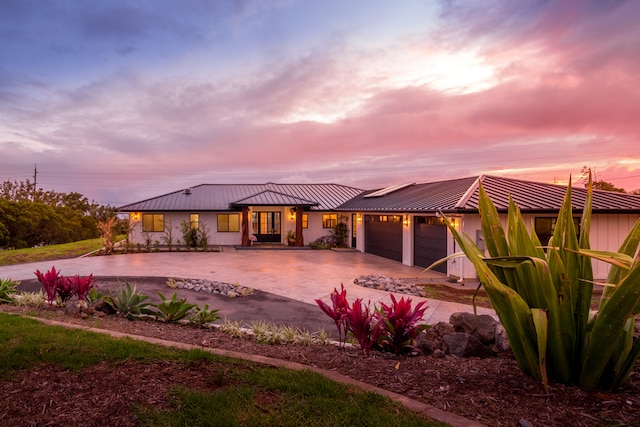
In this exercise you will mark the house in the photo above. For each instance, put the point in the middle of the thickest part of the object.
(402, 222)
(237, 214)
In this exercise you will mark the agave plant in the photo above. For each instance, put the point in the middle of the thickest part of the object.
(174, 309)
(129, 303)
(204, 315)
(543, 298)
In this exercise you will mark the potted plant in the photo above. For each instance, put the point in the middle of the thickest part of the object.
(291, 238)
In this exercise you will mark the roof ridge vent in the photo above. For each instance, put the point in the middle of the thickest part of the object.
(186, 191)
(388, 190)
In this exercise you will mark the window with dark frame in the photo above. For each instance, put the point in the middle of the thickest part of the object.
(329, 220)
(228, 223)
(152, 223)
(545, 226)
(305, 220)
(194, 220)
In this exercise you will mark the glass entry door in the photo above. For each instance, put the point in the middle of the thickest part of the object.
(266, 226)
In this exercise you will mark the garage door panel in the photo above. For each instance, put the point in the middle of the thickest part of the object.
(429, 242)
(383, 238)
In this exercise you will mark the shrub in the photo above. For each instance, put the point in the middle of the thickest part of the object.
(204, 315)
(543, 299)
(174, 309)
(392, 328)
(363, 325)
(50, 281)
(399, 325)
(338, 311)
(129, 303)
(7, 289)
(79, 285)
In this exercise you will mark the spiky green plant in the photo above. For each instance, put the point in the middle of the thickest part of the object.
(543, 299)
(129, 303)
(7, 289)
(204, 315)
(174, 309)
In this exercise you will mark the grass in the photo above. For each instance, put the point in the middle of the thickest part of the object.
(45, 253)
(254, 395)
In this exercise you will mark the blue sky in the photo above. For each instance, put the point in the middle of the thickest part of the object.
(124, 100)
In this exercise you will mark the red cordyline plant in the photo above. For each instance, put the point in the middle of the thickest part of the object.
(399, 325)
(361, 322)
(392, 328)
(80, 285)
(338, 312)
(50, 282)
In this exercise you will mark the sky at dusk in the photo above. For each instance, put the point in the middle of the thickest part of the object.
(125, 100)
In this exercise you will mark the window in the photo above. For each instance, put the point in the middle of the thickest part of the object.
(305, 220)
(545, 227)
(228, 222)
(329, 220)
(152, 223)
(194, 220)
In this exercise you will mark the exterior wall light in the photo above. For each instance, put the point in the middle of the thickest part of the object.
(406, 221)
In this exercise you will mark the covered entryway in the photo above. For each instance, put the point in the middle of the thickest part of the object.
(267, 226)
(383, 236)
(429, 242)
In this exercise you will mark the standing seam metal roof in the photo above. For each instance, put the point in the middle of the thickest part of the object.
(462, 195)
(220, 197)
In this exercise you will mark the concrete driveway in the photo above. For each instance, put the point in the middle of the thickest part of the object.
(299, 275)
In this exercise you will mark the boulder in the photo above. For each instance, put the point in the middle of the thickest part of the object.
(482, 326)
(76, 308)
(462, 344)
(501, 342)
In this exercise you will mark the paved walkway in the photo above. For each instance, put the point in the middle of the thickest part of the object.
(297, 275)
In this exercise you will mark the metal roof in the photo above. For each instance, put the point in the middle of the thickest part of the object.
(221, 197)
(432, 196)
(462, 195)
(273, 198)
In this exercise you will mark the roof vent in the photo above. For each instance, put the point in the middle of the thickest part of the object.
(186, 191)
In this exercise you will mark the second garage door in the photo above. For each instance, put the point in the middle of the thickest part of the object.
(429, 242)
(383, 236)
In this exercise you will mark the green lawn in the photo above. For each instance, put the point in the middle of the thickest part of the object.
(45, 253)
(236, 395)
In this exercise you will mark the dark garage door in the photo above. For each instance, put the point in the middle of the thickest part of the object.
(383, 236)
(429, 242)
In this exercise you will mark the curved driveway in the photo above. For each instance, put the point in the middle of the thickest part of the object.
(302, 275)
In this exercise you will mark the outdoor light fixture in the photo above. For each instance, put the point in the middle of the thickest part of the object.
(406, 221)
(135, 215)
(293, 214)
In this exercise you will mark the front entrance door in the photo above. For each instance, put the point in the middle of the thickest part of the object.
(266, 226)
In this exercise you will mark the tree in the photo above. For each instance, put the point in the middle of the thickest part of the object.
(599, 185)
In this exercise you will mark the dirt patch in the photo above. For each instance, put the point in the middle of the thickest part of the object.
(491, 391)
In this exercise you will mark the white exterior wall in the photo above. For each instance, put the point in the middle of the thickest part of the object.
(607, 234)
(174, 219)
(210, 220)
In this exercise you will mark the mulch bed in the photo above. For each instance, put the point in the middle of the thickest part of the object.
(490, 391)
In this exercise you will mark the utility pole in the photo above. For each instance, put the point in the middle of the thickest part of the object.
(35, 181)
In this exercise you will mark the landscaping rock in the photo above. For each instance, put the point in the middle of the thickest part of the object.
(389, 284)
(231, 290)
(501, 344)
(76, 308)
(462, 344)
(482, 327)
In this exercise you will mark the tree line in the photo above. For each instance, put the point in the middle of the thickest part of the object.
(30, 217)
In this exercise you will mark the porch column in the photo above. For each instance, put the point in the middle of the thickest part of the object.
(299, 236)
(245, 226)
